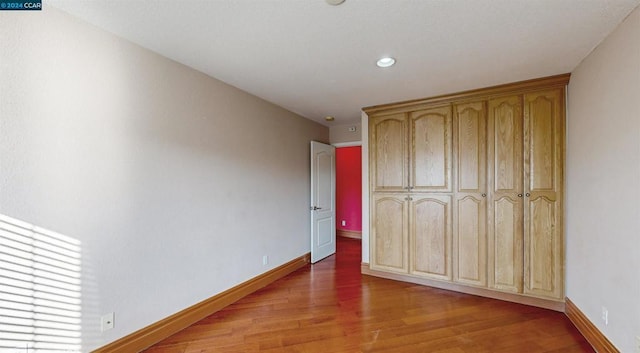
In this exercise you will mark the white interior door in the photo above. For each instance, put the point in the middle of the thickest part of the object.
(323, 201)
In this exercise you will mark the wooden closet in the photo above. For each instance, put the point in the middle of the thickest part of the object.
(466, 191)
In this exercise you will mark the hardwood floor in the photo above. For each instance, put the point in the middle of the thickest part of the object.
(331, 307)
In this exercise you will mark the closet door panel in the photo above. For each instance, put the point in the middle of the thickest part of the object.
(470, 241)
(506, 245)
(541, 249)
(506, 195)
(470, 140)
(430, 233)
(389, 233)
(544, 156)
(388, 153)
(541, 113)
(430, 131)
(470, 207)
(506, 142)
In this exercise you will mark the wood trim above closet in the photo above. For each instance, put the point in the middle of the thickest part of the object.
(510, 88)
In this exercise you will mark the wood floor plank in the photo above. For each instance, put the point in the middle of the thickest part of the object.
(330, 307)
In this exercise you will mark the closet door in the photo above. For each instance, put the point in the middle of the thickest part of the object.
(506, 194)
(430, 234)
(388, 153)
(470, 199)
(544, 154)
(389, 233)
(430, 150)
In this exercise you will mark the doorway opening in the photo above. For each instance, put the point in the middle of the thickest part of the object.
(349, 200)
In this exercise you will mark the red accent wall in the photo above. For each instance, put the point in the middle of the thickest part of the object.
(349, 188)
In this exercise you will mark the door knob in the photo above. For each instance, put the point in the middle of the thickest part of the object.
(519, 195)
(315, 208)
(484, 195)
(527, 194)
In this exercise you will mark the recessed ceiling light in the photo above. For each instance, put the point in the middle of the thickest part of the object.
(329, 118)
(386, 61)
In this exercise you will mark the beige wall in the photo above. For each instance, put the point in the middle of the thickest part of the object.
(166, 176)
(603, 190)
(340, 134)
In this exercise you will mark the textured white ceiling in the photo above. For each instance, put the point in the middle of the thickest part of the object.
(317, 60)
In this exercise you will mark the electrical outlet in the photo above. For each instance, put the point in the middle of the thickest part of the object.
(107, 322)
(344, 223)
(605, 316)
(265, 260)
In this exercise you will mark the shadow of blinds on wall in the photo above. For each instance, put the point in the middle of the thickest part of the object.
(40, 289)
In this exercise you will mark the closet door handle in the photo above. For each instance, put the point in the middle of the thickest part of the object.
(484, 195)
(527, 194)
(519, 195)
